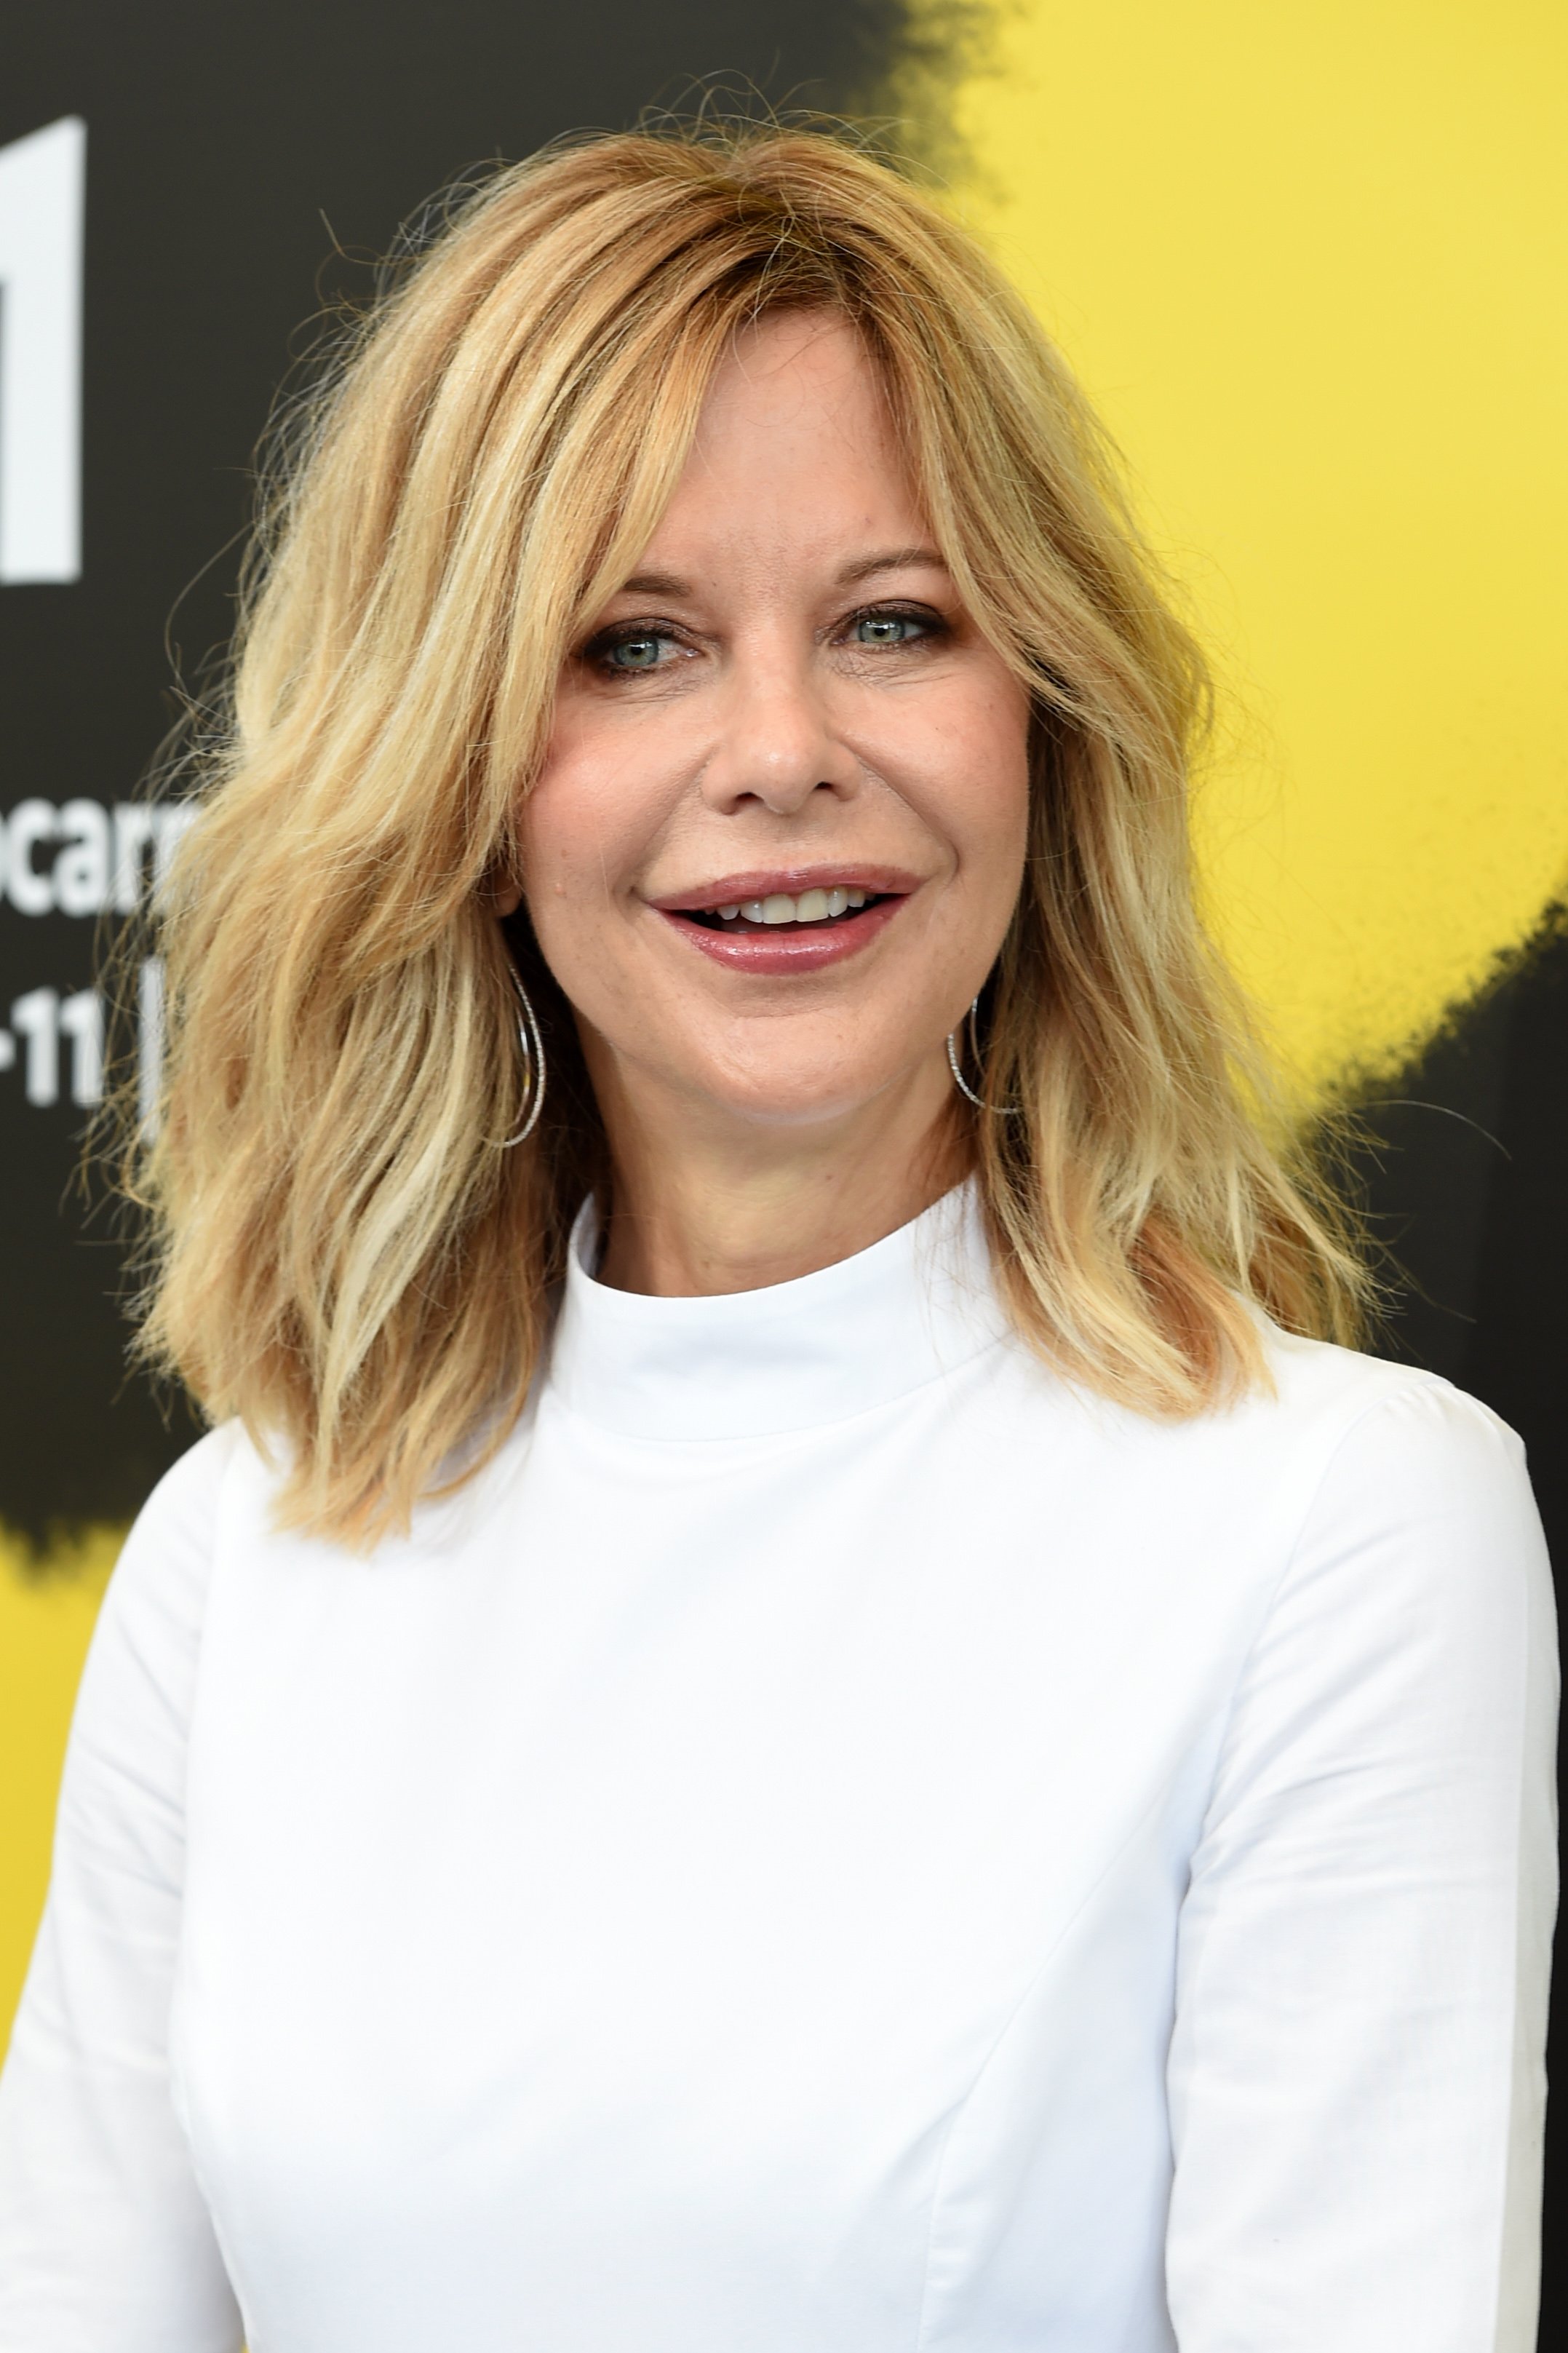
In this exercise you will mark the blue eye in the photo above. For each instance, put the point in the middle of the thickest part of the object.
(888, 628)
(640, 652)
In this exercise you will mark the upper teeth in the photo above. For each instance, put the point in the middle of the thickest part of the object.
(811, 907)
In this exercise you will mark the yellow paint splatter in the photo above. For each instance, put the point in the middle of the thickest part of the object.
(1309, 262)
(47, 1612)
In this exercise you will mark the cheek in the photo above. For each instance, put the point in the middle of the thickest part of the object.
(597, 812)
(550, 831)
(585, 825)
(976, 755)
(610, 784)
(573, 842)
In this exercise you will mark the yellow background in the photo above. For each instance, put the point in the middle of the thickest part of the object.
(1311, 264)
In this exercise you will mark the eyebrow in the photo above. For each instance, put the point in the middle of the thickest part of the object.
(893, 559)
(656, 584)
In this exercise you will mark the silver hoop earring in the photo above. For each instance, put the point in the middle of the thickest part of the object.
(999, 1111)
(533, 1046)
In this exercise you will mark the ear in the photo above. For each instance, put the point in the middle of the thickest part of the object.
(502, 886)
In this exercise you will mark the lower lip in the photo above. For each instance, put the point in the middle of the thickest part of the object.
(790, 949)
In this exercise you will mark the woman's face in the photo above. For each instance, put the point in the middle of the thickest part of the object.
(780, 827)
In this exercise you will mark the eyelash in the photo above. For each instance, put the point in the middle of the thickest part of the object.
(597, 653)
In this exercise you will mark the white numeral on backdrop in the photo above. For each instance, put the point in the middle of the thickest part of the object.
(43, 203)
(42, 1022)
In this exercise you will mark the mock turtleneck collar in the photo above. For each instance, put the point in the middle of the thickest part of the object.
(795, 1356)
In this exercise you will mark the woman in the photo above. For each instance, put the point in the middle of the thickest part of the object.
(797, 1703)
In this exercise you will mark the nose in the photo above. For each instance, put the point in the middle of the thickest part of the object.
(777, 743)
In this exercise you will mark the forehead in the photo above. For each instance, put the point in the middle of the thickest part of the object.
(795, 369)
(794, 438)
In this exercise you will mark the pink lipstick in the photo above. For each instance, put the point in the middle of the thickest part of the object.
(785, 921)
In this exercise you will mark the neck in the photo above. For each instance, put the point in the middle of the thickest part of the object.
(702, 1206)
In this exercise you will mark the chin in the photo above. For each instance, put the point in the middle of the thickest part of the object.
(796, 1095)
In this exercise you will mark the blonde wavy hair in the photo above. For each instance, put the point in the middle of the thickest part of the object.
(345, 1255)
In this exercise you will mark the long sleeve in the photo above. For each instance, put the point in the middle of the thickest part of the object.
(1356, 2075)
(105, 2245)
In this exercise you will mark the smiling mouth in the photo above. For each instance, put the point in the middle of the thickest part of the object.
(781, 911)
(750, 922)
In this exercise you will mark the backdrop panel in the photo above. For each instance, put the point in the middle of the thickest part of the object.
(1305, 260)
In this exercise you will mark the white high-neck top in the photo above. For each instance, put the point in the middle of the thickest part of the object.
(836, 1842)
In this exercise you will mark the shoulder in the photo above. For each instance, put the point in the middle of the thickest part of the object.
(138, 1687)
(1326, 1425)
(1418, 1508)
(180, 1516)
(1316, 1380)
(1355, 1413)
(156, 1594)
